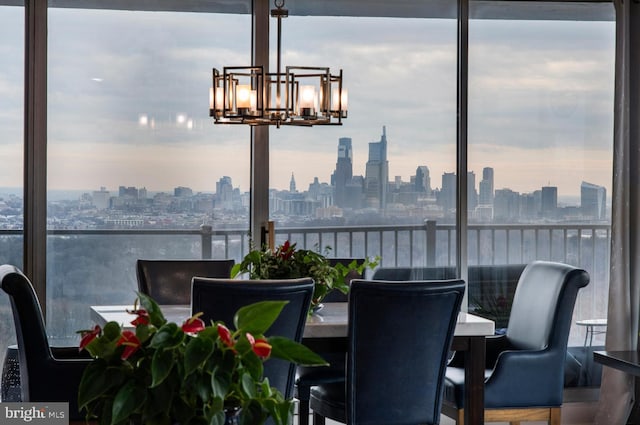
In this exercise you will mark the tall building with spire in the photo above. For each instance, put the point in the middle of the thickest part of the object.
(292, 184)
(343, 173)
(376, 177)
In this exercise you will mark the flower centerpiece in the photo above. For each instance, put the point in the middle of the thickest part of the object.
(288, 262)
(189, 374)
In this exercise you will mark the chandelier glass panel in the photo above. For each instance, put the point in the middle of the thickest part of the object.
(301, 95)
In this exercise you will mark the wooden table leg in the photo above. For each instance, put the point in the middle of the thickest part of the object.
(474, 381)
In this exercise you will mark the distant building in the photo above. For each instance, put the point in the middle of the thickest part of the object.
(101, 198)
(506, 205)
(485, 187)
(292, 184)
(182, 191)
(447, 197)
(549, 202)
(423, 180)
(376, 179)
(472, 193)
(224, 193)
(593, 199)
(343, 174)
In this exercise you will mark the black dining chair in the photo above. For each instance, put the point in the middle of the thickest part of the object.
(168, 282)
(307, 377)
(47, 374)
(525, 367)
(219, 299)
(399, 338)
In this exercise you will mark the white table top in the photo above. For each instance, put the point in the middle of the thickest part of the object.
(329, 322)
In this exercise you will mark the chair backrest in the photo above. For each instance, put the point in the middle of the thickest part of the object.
(43, 378)
(399, 337)
(219, 299)
(169, 281)
(543, 304)
(414, 273)
(31, 335)
(336, 296)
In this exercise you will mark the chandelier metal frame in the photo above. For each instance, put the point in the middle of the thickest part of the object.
(302, 95)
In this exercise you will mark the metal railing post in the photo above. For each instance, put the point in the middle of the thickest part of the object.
(430, 242)
(205, 238)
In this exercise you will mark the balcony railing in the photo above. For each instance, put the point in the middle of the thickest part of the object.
(428, 244)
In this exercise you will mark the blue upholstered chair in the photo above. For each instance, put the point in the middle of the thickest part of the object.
(219, 299)
(399, 337)
(307, 377)
(47, 374)
(525, 367)
(169, 281)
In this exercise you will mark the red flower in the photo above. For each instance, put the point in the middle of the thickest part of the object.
(193, 325)
(142, 319)
(225, 335)
(260, 346)
(88, 336)
(131, 343)
(286, 250)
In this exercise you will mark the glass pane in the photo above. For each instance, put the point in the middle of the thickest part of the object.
(136, 167)
(11, 152)
(367, 188)
(540, 153)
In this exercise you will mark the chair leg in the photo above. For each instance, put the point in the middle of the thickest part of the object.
(555, 416)
(318, 419)
(303, 412)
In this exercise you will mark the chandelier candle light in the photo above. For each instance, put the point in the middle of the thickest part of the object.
(300, 96)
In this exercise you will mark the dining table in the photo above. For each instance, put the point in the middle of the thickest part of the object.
(327, 329)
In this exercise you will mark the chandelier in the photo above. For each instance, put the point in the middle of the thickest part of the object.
(301, 95)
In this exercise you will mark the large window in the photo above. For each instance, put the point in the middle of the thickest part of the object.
(11, 152)
(135, 166)
(384, 172)
(540, 151)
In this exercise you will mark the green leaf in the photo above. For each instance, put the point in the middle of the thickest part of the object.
(168, 336)
(284, 348)
(127, 401)
(98, 379)
(161, 365)
(257, 318)
(220, 381)
(197, 352)
(155, 313)
(253, 365)
(248, 385)
(218, 418)
(236, 269)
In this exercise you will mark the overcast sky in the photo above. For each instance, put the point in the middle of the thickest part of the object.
(541, 99)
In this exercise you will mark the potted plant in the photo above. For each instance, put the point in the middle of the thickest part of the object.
(288, 262)
(189, 374)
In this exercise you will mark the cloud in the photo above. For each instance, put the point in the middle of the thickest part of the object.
(534, 87)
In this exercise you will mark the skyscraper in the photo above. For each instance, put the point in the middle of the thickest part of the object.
(593, 200)
(224, 193)
(549, 201)
(486, 187)
(292, 184)
(376, 177)
(423, 180)
(343, 174)
(448, 192)
(472, 193)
